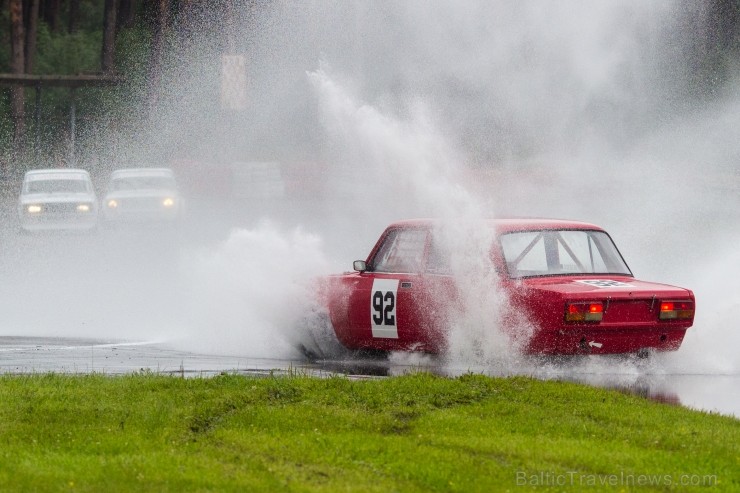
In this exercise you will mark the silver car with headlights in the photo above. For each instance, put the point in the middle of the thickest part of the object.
(57, 199)
(142, 195)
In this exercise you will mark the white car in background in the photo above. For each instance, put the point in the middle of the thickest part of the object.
(142, 195)
(57, 199)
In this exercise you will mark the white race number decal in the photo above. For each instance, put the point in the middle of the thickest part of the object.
(383, 308)
(605, 283)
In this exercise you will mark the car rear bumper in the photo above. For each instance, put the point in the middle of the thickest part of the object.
(594, 341)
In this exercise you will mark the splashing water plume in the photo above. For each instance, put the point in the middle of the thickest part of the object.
(412, 160)
(250, 294)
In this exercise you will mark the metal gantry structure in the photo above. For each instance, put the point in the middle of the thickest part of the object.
(73, 82)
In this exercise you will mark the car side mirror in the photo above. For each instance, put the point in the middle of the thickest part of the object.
(359, 265)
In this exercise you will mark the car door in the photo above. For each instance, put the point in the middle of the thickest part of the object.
(383, 301)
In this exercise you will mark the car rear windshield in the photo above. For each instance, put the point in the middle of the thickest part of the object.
(57, 186)
(561, 252)
(142, 183)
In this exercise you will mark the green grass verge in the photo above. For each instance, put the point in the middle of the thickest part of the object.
(149, 432)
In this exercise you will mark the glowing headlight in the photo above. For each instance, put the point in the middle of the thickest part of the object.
(33, 209)
(168, 202)
(83, 207)
(112, 204)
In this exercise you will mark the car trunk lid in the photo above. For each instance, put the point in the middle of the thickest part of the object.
(624, 299)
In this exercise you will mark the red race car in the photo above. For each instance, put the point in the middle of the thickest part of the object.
(564, 280)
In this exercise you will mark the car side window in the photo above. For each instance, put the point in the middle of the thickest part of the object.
(402, 251)
(439, 259)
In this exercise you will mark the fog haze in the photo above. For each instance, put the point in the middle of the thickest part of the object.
(383, 111)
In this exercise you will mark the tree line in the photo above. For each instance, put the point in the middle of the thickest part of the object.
(76, 40)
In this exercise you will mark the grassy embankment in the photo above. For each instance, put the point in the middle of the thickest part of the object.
(148, 432)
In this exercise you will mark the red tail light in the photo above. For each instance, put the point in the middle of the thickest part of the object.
(676, 310)
(584, 312)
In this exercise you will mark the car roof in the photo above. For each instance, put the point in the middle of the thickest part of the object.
(508, 225)
(128, 172)
(56, 174)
